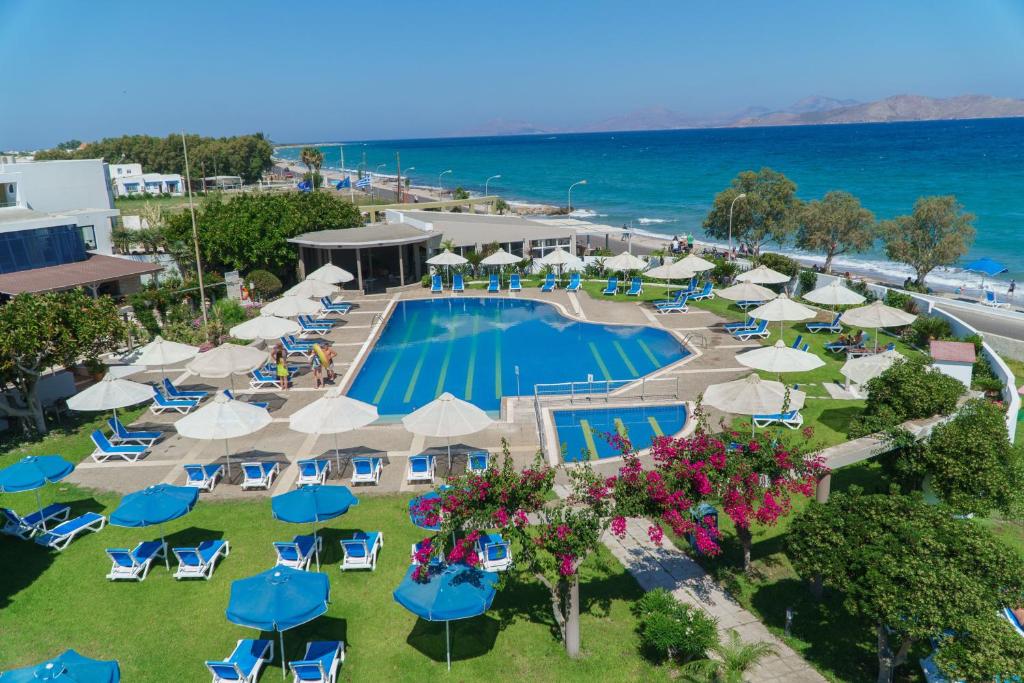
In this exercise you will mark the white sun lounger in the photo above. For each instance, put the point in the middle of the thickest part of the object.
(421, 469)
(299, 552)
(313, 472)
(199, 562)
(134, 564)
(24, 527)
(244, 664)
(61, 535)
(203, 477)
(494, 552)
(366, 470)
(259, 475)
(361, 550)
(320, 663)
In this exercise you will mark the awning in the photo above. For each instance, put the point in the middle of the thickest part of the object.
(94, 270)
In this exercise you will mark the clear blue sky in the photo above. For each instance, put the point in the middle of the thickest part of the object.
(351, 70)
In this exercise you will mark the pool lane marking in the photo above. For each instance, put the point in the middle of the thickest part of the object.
(472, 359)
(398, 356)
(446, 362)
(416, 372)
(625, 358)
(497, 364)
(620, 427)
(588, 438)
(655, 426)
(647, 350)
(600, 361)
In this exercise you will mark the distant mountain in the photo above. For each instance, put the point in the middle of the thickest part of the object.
(501, 127)
(897, 108)
(651, 118)
(818, 103)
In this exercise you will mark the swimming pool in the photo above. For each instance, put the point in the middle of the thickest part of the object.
(581, 432)
(472, 346)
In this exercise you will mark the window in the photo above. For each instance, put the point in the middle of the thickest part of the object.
(28, 249)
(89, 236)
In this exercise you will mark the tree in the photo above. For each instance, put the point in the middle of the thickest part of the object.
(69, 145)
(313, 158)
(734, 659)
(916, 572)
(768, 212)
(835, 225)
(57, 329)
(937, 233)
(908, 390)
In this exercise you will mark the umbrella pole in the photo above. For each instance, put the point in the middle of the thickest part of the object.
(337, 454)
(39, 503)
(280, 635)
(316, 548)
(449, 440)
(448, 642)
(167, 558)
(227, 458)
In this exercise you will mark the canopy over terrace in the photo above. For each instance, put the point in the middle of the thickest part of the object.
(380, 254)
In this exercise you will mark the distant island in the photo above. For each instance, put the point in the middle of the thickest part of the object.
(813, 110)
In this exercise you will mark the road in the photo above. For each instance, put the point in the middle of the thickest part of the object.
(993, 323)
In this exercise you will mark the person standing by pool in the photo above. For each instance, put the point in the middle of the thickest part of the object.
(317, 362)
(329, 354)
(282, 366)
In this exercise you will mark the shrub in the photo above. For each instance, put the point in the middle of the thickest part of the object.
(900, 300)
(673, 630)
(724, 269)
(425, 280)
(783, 264)
(264, 283)
(808, 280)
(144, 313)
(229, 312)
(861, 288)
(908, 390)
(928, 327)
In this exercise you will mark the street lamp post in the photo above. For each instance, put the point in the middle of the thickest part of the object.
(398, 186)
(578, 182)
(486, 182)
(440, 184)
(733, 204)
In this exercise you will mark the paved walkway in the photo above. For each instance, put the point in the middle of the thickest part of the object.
(667, 567)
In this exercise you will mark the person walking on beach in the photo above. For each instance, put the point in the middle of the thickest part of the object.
(1012, 289)
(689, 242)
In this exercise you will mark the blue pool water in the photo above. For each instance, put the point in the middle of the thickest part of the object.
(471, 347)
(581, 433)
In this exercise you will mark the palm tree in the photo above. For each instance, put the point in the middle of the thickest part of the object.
(313, 158)
(733, 659)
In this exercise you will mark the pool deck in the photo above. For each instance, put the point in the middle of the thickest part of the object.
(713, 361)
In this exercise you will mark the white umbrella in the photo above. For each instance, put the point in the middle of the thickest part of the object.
(447, 416)
(670, 271)
(695, 263)
(500, 258)
(312, 289)
(746, 291)
(223, 418)
(264, 327)
(876, 315)
(291, 306)
(780, 358)
(334, 413)
(559, 257)
(447, 258)
(834, 294)
(331, 274)
(111, 393)
(752, 395)
(624, 261)
(860, 370)
(763, 275)
(161, 352)
(119, 371)
(782, 308)
(227, 360)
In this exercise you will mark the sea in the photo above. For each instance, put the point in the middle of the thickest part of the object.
(663, 182)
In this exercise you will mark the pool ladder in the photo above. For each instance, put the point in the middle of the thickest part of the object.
(698, 340)
(378, 318)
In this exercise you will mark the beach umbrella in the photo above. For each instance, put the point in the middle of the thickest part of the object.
(223, 418)
(559, 257)
(119, 371)
(763, 275)
(834, 294)
(264, 327)
(33, 472)
(291, 306)
(987, 267)
(861, 370)
(312, 289)
(746, 291)
(69, 667)
(876, 315)
(155, 505)
(331, 274)
(161, 352)
(227, 360)
(278, 599)
(624, 262)
(447, 259)
(695, 263)
(333, 413)
(500, 258)
(447, 416)
(670, 271)
(110, 393)
(782, 308)
(752, 395)
(780, 358)
(419, 514)
(311, 505)
(449, 592)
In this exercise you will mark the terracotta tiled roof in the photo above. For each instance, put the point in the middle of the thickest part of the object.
(94, 270)
(953, 351)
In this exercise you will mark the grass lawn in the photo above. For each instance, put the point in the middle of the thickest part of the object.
(163, 630)
(133, 205)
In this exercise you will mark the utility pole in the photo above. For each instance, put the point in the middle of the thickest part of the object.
(351, 191)
(195, 234)
(398, 187)
(203, 164)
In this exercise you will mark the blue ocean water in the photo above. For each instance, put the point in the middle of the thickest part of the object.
(582, 433)
(472, 348)
(665, 181)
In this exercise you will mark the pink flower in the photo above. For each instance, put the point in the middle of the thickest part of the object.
(501, 516)
(565, 564)
(562, 531)
(619, 526)
(656, 534)
(520, 518)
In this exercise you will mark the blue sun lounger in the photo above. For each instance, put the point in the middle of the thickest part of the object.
(796, 342)
(707, 292)
(458, 286)
(309, 326)
(833, 326)
(792, 419)
(258, 404)
(435, 284)
(367, 470)
(299, 552)
(992, 302)
(328, 306)
(134, 564)
(421, 469)
(320, 663)
(106, 450)
(261, 380)
(748, 303)
(259, 475)
(612, 287)
(199, 562)
(120, 436)
(515, 283)
(312, 471)
(750, 323)
(478, 461)
(360, 551)
(297, 342)
(203, 477)
(61, 535)
(678, 305)
(1014, 621)
(179, 405)
(549, 283)
(493, 284)
(636, 287)
(574, 283)
(494, 552)
(747, 334)
(24, 527)
(244, 664)
(176, 393)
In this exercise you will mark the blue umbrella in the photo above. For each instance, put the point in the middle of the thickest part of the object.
(312, 504)
(69, 667)
(33, 472)
(278, 599)
(453, 591)
(419, 518)
(155, 505)
(987, 267)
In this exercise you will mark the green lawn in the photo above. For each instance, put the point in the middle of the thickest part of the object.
(163, 630)
(133, 205)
